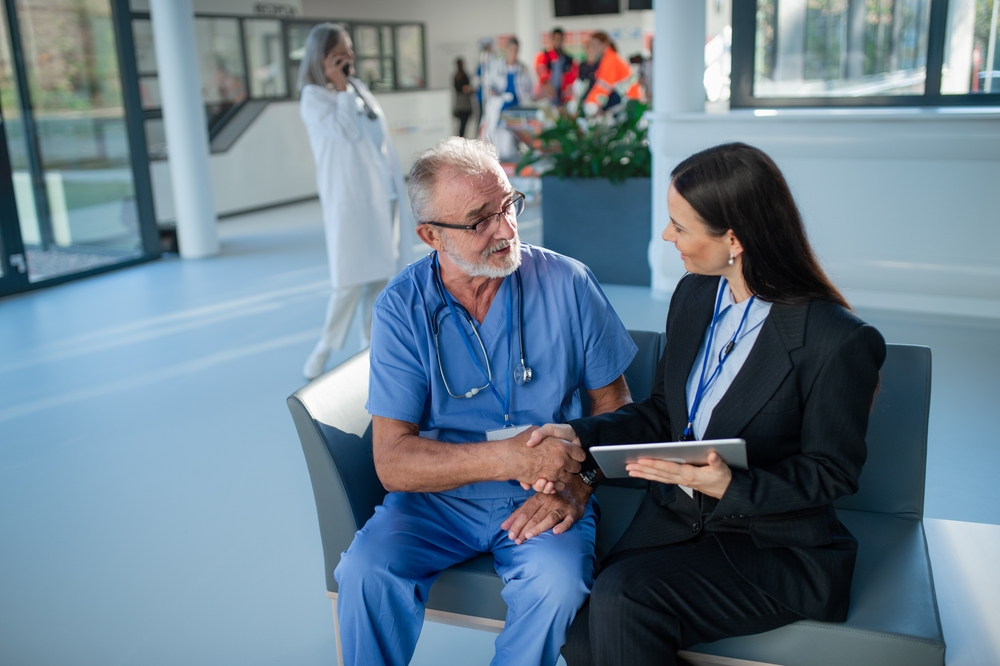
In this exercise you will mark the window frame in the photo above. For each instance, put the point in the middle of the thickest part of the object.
(291, 91)
(744, 21)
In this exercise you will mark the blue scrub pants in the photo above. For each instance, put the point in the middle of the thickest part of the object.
(385, 576)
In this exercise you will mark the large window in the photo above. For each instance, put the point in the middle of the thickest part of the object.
(246, 58)
(220, 65)
(68, 145)
(387, 56)
(864, 52)
(262, 41)
(373, 49)
(971, 62)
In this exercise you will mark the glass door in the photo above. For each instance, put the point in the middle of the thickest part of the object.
(13, 270)
(13, 267)
(66, 140)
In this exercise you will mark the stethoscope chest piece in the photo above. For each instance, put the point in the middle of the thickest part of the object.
(522, 374)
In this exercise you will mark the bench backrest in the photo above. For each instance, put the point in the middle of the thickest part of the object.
(892, 480)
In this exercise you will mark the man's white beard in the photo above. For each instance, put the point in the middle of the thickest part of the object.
(511, 262)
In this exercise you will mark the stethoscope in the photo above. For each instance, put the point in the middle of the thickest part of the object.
(522, 373)
(360, 102)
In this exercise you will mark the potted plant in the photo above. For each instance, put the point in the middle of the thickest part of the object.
(596, 196)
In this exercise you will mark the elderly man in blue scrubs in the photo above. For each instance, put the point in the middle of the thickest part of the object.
(472, 347)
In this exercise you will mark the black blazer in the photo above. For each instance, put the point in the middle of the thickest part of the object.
(801, 401)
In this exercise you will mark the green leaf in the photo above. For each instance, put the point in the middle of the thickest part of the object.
(595, 148)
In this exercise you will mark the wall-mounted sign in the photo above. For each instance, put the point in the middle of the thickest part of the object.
(274, 9)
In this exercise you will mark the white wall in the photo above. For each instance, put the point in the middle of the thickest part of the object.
(272, 163)
(455, 26)
(232, 7)
(900, 205)
(417, 120)
(269, 163)
(452, 26)
(626, 28)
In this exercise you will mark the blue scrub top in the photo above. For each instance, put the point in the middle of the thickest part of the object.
(573, 339)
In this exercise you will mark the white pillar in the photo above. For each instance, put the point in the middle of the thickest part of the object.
(679, 56)
(528, 31)
(184, 123)
(678, 87)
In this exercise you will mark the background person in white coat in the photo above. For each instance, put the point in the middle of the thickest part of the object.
(509, 84)
(366, 212)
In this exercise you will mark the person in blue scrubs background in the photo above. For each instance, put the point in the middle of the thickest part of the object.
(510, 85)
(453, 402)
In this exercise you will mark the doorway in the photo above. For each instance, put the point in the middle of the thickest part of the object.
(69, 163)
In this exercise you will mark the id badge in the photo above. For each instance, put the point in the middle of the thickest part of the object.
(505, 433)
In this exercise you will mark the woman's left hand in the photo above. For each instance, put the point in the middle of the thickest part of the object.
(712, 479)
(333, 69)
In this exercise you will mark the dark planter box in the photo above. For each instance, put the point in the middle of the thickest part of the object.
(604, 225)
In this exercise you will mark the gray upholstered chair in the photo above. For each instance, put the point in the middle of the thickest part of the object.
(893, 617)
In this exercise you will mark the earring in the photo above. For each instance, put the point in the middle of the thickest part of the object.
(731, 258)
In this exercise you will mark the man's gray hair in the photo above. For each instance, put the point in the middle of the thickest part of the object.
(455, 155)
(322, 39)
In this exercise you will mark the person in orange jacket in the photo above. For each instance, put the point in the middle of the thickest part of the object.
(614, 74)
(556, 71)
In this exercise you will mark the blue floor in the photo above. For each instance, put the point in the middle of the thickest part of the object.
(154, 503)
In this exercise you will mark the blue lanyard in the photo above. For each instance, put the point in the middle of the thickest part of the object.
(703, 383)
(504, 402)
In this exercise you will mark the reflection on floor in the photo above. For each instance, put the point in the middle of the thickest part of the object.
(45, 264)
(155, 507)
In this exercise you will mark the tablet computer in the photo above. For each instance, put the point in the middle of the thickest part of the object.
(613, 459)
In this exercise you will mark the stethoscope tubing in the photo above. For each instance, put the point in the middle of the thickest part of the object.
(525, 371)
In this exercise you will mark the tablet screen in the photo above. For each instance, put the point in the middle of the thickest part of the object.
(613, 459)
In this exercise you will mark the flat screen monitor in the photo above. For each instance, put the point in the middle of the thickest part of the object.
(586, 7)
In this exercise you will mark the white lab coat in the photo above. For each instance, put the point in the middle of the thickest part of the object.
(495, 96)
(360, 184)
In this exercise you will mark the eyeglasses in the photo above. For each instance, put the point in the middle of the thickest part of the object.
(489, 223)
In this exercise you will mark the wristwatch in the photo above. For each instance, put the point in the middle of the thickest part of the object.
(589, 477)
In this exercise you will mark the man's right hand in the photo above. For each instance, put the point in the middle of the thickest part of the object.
(553, 459)
(559, 432)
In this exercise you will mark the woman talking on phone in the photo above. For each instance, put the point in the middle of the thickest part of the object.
(366, 214)
(760, 346)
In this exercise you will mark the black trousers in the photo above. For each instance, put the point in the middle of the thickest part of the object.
(463, 120)
(647, 604)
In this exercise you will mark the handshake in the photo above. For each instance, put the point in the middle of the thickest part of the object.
(545, 458)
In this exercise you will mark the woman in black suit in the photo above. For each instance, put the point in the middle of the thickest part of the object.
(737, 551)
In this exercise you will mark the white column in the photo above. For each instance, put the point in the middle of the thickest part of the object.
(678, 87)
(679, 56)
(184, 123)
(527, 27)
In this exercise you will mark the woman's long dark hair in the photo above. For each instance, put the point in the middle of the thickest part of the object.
(736, 186)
